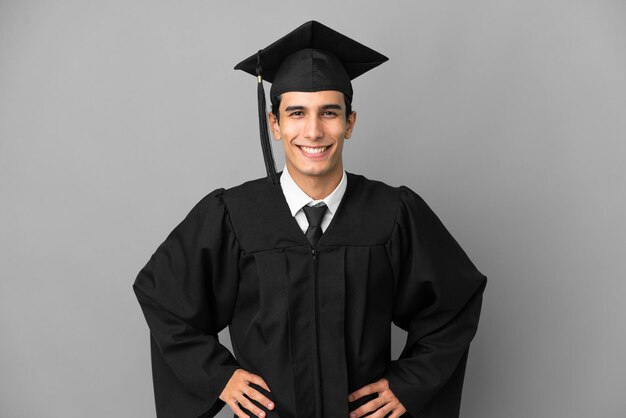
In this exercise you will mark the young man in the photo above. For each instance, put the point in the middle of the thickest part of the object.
(309, 270)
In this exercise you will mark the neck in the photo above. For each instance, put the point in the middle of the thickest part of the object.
(318, 187)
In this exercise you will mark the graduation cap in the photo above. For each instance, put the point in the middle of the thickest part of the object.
(313, 57)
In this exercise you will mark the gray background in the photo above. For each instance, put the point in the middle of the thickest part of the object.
(508, 117)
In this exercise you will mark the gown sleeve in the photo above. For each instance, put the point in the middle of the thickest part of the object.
(187, 292)
(438, 296)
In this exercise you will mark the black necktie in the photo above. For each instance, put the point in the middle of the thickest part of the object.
(314, 215)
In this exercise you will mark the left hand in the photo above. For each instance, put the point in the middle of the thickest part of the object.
(385, 403)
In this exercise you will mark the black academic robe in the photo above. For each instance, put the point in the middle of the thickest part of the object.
(314, 323)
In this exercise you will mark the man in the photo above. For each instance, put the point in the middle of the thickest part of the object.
(309, 270)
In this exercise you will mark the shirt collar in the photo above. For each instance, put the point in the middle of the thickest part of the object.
(296, 198)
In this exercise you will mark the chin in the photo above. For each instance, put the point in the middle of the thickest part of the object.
(317, 171)
(311, 172)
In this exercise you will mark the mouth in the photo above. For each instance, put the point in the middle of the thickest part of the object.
(313, 151)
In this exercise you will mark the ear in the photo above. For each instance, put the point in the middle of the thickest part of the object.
(274, 126)
(350, 125)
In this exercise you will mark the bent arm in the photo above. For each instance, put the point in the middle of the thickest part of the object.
(438, 300)
(187, 292)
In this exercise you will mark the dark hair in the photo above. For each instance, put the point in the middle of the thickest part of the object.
(276, 106)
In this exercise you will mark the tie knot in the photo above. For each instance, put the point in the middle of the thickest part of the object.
(314, 214)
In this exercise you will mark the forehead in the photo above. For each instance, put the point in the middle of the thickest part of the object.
(312, 99)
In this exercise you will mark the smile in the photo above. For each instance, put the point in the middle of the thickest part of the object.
(313, 150)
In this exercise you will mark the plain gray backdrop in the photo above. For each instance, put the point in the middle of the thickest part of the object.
(508, 117)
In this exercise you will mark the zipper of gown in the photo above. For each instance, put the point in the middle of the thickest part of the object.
(318, 407)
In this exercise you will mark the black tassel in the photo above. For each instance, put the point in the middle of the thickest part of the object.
(266, 145)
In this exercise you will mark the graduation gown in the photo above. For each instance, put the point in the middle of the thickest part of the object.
(314, 323)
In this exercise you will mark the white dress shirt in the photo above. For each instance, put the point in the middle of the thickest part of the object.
(297, 199)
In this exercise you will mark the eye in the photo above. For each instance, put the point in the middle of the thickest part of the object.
(329, 114)
(296, 113)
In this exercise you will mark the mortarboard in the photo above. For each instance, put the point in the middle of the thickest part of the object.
(313, 57)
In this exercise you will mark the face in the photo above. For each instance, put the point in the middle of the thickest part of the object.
(312, 127)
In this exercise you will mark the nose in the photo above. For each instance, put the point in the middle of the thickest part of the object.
(312, 128)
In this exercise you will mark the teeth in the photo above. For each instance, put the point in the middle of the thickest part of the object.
(317, 150)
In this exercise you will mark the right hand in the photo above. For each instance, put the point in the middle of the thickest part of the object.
(238, 386)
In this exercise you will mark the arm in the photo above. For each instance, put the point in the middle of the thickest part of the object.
(438, 299)
(187, 292)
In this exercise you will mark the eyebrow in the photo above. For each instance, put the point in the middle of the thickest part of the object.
(291, 108)
(331, 106)
(324, 107)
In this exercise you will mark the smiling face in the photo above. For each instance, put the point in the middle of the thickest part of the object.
(312, 127)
